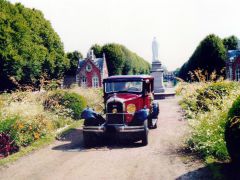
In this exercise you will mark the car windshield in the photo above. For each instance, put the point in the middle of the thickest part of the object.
(128, 86)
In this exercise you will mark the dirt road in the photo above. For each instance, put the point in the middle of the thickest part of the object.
(161, 159)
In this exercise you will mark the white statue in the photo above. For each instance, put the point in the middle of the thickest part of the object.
(155, 50)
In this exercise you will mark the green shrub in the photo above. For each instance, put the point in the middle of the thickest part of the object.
(24, 131)
(207, 137)
(74, 102)
(232, 131)
(7, 126)
(65, 103)
(212, 95)
(206, 106)
(52, 85)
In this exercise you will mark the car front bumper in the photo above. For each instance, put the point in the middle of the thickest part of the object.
(113, 128)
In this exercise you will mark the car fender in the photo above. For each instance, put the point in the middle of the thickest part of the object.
(92, 118)
(139, 117)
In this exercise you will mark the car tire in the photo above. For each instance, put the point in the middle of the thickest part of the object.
(88, 139)
(145, 134)
(155, 125)
(150, 124)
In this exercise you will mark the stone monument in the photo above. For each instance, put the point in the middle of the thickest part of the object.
(157, 71)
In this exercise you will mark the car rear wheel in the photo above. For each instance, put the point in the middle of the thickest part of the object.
(145, 134)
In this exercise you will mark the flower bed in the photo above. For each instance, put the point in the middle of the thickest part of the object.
(25, 118)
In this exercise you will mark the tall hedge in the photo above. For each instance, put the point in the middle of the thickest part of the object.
(29, 47)
(121, 60)
(209, 56)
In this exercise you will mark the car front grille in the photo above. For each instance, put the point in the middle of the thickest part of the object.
(115, 113)
(115, 118)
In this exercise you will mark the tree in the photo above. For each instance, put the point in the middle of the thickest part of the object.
(29, 47)
(97, 49)
(73, 58)
(114, 57)
(230, 43)
(209, 57)
(121, 60)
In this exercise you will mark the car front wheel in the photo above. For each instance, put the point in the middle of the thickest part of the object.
(152, 123)
(145, 134)
(89, 139)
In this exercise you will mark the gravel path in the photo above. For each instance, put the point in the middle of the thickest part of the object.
(161, 159)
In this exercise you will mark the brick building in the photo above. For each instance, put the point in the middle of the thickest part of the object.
(233, 65)
(91, 71)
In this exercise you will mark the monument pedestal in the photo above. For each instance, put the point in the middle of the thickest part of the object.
(157, 73)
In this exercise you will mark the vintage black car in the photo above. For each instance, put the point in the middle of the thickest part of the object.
(130, 110)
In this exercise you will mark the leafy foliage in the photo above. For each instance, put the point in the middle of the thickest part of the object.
(206, 106)
(212, 95)
(7, 145)
(209, 57)
(65, 103)
(97, 49)
(230, 43)
(26, 117)
(232, 132)
(22, 131)
(29, 47)
(74, 58)
(121, 60)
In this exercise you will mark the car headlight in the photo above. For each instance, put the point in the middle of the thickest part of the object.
(131, 108)
(114, 111)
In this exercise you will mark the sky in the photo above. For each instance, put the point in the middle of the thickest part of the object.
(178, 25)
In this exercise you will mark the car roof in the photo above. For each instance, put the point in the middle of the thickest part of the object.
(128, 77)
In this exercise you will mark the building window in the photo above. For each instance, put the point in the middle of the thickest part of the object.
(88, 68)
(95, 82)
(84, 81)
(238, 74)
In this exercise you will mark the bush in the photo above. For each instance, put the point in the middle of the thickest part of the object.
(7, 145)
(23, 119)
(232, 131)
(24, 131)
(8, 136)
(65, 103)
(7, 126)
(206, 106)
(93, 96)
(212, 95)
(74, 102)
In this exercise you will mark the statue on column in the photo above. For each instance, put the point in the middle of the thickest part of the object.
(157, 71)
(155, 50)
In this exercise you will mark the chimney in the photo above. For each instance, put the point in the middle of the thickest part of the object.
(90, 54)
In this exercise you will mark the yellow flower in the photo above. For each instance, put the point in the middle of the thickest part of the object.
(20, 126)
(36, 135)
